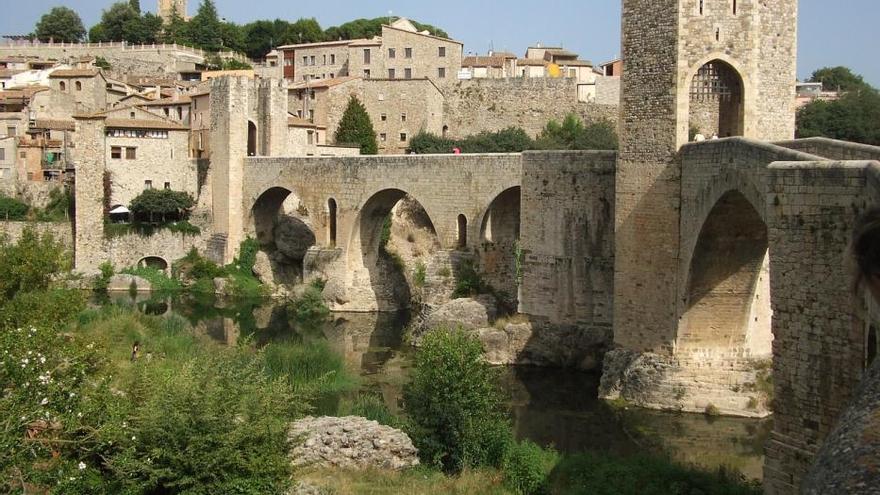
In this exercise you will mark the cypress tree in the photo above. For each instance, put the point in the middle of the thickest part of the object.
(357, 128)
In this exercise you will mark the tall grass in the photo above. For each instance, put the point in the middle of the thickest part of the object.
(312, 368)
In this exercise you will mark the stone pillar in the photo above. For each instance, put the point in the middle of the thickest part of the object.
(89, 245)
(229, 140)
(272, 110)
(647, 184)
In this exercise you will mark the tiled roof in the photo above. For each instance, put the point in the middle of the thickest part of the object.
(21, 93)
(55, 124)
(317, 45)
(10, 72)
(143, 124)
(75, 73)
(183, 99)
(532, 61)
(298, 122)
(494, 61)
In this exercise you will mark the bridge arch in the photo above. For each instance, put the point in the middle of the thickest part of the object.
(280, 222)
(382, 250)
(498, 240)
(156, 262)
(726, 306)
(713, 99)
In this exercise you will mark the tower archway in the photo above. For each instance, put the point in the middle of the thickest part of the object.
(716, 100)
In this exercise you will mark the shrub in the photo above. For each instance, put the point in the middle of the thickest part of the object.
(12, 209)
(526, 466)
(572, 134)
(161, 203)
(194, 266)
(371, 406)
(309, 309)
(30, 263)
(157, 278)
(58, 207)
(420, 274)
(102, 281)
(456, 409)
(312, 369)
(468, 282)
(356, 128)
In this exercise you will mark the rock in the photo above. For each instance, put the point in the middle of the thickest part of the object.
(469, 314)
(263, 268)
(293, 237)
(221, 286)
(632, 375)
(123, 283)
(352, 443)
(496, 344)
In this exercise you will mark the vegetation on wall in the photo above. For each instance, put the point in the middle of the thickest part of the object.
(853, 117)
(571, 134)
(356, 128)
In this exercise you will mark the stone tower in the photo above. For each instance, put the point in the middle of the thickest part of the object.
(724, 67)
(167, 7)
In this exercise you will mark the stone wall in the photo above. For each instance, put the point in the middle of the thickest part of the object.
(567, 237)
(479, 105)
(127, 251)
(160, 161)
(833, 149)
(62, 231)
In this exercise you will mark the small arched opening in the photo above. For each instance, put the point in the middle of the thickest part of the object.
(499, 240)
(331, 223)
(79, 86)
(462, 232)
(871, 347)
(155, 262)
(252, 139)
(394, 236)
(716, 101)
(445, 130)
(282, 226)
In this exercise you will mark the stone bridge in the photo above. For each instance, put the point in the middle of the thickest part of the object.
(344, 202)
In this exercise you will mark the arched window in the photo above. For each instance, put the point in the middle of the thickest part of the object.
(331, 208)
(63, 86)
(79, 86)
(252, 139)
(462, 231)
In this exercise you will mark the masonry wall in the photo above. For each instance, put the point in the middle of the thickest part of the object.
(481, 105)
(61, 231)
(833, 149)
(158, 160)
(567, 237)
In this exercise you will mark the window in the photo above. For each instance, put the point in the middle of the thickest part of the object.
(167, 185)
(312, 60)
(407, 52)
(701, 7)
(312, 94)
(325, 60)
(311, 115)
(391, 73)
(384, 117)
(23, 154)
(179, 113)
(63, 86)
(332, 59)
(148, 184)
(717, 34)
(79, 86)
(10, 131)
(116, 152)
(130, 153)
(167, 112)
(383, 137)
(441, 73)
(305, 60)
(441, 51)
(311, 137)
(366, 55)
(407, 73)
(734, 7)
(332, 75)
(366, 73)
(402, 137)
(403, 117)
(131, 115)
(392, 53)
(2, 154)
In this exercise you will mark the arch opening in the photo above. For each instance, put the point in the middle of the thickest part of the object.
(727, 312)
(156, 262)
(331, 224)
(396, 239)
(282, 226)
(499, 243)
(252, 139)
(872, 347)
(462, 232)
(716, 101)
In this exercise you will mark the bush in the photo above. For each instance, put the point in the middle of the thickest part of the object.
(356, 128)
(30, 264)
(456, 409)
(161, 203)
(572, 134)
(309, 309)
(420, 274)
(468, 282)
(195, 267)
(157, 278)
(12, 209)
(371, 406)
(312, 369)
(526, 466)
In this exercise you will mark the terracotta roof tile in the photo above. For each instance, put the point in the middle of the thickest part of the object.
(56, 124)
(75, 73)
(143, 124)
(323, 83)
(494, 61)
(298, 122)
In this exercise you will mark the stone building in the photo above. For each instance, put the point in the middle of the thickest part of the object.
(401, 52)
(167, 8)
(493, 66)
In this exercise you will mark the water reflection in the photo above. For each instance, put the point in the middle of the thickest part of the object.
(549, 406)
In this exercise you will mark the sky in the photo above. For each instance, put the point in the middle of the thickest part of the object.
(840, 33)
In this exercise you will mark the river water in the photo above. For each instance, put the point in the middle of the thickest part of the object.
(557, 407)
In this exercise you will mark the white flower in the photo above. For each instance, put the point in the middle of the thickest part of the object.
(79, 415)
(25, 360)
(42, 359)
(81, 465)
(72, 478)
(44, 401)
(124, 424)
(72, 394)
(132, 437)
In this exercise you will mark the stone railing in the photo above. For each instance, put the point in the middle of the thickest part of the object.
(124, 45)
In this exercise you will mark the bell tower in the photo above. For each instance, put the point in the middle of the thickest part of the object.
(167, 7)
(714, 67)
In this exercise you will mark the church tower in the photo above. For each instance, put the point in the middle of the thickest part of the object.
(714, 67)
(167, 8)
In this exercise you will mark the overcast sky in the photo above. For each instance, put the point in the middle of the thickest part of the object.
(837, 33)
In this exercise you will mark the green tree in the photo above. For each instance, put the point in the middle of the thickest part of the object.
(357, 128)
(838, 78)
(454, 403)
(572, 134)
(854, 117)
(60, 24)
(161, 202)
(205, 28)
(30, 264)
(135, 5)
(176, 30)
(12, 209)
(121, 22)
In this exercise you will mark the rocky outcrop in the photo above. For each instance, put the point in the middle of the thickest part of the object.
(351, 442)
(124, 283)
(293, 237)
(466, 313)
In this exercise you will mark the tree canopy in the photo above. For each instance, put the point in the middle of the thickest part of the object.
(838, 78)
(60, 24)
(572, 134)
(121, 22)
(162, 203)
(357, 128)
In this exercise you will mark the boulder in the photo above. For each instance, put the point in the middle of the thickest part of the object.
(352, 443)
(123, 283)
(467, 313)
(221, 287)
(293, 237)
(263, 268)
